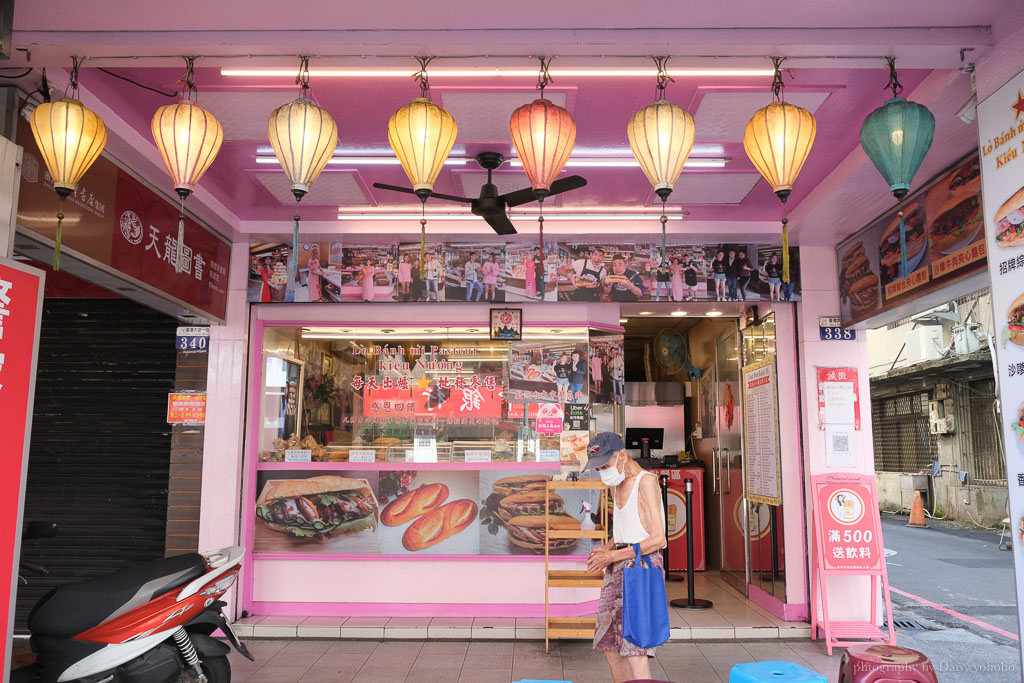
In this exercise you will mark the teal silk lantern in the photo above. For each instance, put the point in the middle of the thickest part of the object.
(896, 137)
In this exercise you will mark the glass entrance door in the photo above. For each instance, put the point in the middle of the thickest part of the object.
(728, 463)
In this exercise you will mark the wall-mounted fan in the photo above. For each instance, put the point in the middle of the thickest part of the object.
(490, 205)
(671, 353)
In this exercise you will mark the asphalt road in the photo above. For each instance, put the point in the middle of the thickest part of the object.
(965, 572)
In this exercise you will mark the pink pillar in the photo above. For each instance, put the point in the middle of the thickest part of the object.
(792, 462)
(225, 415)
(849, 596)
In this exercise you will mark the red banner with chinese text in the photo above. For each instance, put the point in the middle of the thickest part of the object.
(416, 401)
(20, 292)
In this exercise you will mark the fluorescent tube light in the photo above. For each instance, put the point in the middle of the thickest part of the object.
(495, 71)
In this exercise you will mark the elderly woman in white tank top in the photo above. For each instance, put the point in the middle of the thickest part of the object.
(639, 518)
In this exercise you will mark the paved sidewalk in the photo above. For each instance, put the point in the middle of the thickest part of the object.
(454, 661)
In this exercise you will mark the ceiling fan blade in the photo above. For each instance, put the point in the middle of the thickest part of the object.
(393, 188)
(451, 198)
(519, 197)
(526, 195)
(433, 195)
(500, 223)
(573, 182)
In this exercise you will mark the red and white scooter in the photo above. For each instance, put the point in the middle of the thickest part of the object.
(146, 624)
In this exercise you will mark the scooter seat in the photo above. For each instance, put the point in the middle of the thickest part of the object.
(76, 607)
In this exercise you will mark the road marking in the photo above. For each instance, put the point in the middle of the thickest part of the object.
(963, 617)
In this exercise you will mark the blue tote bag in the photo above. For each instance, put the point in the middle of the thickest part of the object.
(644, 604)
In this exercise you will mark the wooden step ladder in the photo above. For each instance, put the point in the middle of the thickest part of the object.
(571, 627)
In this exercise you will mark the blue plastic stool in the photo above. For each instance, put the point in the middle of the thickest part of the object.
(776, 672)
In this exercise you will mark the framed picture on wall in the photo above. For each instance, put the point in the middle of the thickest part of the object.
(507, 324)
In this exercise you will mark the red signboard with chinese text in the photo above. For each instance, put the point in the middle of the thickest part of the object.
(838, 397)
(186, 408)
(21, 293)
(121, 223)
(466, 400)
(847, 541)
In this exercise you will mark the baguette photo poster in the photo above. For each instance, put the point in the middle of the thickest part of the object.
(944, 237)
(438, 516)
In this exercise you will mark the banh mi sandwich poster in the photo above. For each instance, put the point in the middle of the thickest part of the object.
(1001, 129)
(413, 512)
(943, 223)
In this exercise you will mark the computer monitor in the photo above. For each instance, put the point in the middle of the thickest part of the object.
(655, 435)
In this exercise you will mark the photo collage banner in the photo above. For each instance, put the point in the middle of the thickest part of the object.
(499, 273)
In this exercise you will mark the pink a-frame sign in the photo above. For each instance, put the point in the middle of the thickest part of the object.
(847, 541)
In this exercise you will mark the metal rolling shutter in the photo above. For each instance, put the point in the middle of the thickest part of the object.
(100, 451)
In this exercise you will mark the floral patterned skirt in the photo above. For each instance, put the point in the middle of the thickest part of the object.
(609, 612)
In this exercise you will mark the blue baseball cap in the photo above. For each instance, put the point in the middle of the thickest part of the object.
(602, 449)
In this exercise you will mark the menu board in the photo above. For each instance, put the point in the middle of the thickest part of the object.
(408, 511)
(944, 241)
(761, 433)
(1001, 128)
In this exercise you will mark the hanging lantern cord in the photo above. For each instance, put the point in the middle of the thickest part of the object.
(540, 223)
(777, 85)
(302, 79)
(179, 258)
(295, 240)
(894, 81)
(188, 81)
(785, 248)
(60, 229)
(664, 220)
(423, 243)
(73, 82)
(421, 76)
(544, 77)
(663, 78)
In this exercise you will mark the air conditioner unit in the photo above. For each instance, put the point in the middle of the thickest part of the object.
(967, 338)
(923, 344)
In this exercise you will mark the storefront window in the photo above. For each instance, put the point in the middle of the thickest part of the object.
(431, 395)
(408, 440)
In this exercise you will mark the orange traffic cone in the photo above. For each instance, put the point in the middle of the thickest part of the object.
(917, 513)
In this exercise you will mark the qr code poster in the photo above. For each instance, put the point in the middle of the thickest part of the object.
(840, 447)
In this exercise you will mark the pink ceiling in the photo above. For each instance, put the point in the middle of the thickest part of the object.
(601, 107)
(533, 15)
(835, 48)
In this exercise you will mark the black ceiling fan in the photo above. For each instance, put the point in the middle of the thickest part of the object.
(490, 205)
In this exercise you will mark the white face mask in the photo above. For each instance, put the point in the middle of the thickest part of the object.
(612, 476)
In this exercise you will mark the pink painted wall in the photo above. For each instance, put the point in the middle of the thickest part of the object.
(792, 456)
(396, 582)
(1006, 56)
(849, 595)
(225, 414)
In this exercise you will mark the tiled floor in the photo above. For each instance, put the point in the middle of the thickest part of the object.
(732, 617)
(500, 661)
